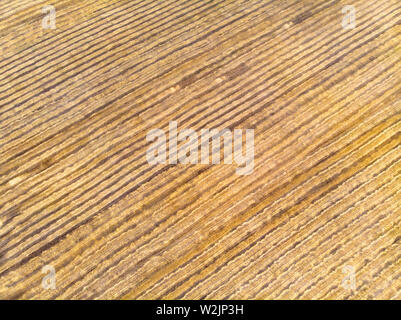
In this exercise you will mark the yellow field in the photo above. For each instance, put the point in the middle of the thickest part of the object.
(77, 192)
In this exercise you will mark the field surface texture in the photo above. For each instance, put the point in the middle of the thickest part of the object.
(84, 215)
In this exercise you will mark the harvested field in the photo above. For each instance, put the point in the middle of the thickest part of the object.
(316, 216)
